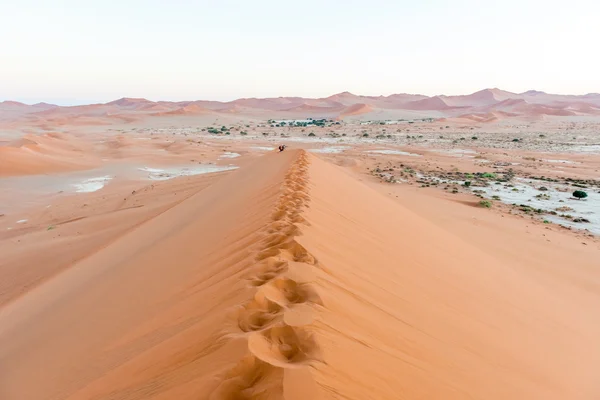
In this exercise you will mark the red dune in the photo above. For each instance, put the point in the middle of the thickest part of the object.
(355, 109)
(44, 106)
(481, 98)
(433, 103)
(12, 104)
(43, 154)
(527, 104)
(191, 109)
(480, 118)
(345, 98)
(129, 102)
(290, 279)
(539, 109)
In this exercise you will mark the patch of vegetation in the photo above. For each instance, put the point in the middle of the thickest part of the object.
(467, 184)
(488, 175)
(474, 138)
(564, 209)
(495, 197)
(581, 220)
(485, 204)
(580, 194)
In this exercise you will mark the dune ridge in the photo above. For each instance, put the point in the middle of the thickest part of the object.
(275, 319)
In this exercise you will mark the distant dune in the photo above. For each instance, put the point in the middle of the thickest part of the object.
(432, 103)
(531, 104)
(191, 109)
(44, 154)
(356, 109)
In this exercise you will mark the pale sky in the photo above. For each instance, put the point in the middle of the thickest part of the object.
(72, 52)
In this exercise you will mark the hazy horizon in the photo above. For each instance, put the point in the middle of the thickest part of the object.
(67, 53)
(62, 102)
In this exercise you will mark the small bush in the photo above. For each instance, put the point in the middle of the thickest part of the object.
(495, 197)
(467, 184)
(564, 209)
(485, 204)
(474, 138)
(312, 134)
(365, 135)
(580, 194)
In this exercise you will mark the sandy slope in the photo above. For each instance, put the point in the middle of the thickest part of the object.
(291, 279)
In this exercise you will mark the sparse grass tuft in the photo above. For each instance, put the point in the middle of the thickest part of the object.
(485, 204)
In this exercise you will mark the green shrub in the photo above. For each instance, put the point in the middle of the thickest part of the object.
(485, 204)
(580, 194)
(312, 134)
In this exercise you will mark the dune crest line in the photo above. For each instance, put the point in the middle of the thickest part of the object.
(276, 320)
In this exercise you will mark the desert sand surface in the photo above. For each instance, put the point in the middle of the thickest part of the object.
(402, 247)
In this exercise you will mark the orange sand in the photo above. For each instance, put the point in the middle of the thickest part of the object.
(290, 279)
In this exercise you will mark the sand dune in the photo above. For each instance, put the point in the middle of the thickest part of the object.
(289, 279)
(190, 109)
(42, 154)
(433, 103)
(355, 109)
(481, 98)
(525, 106)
